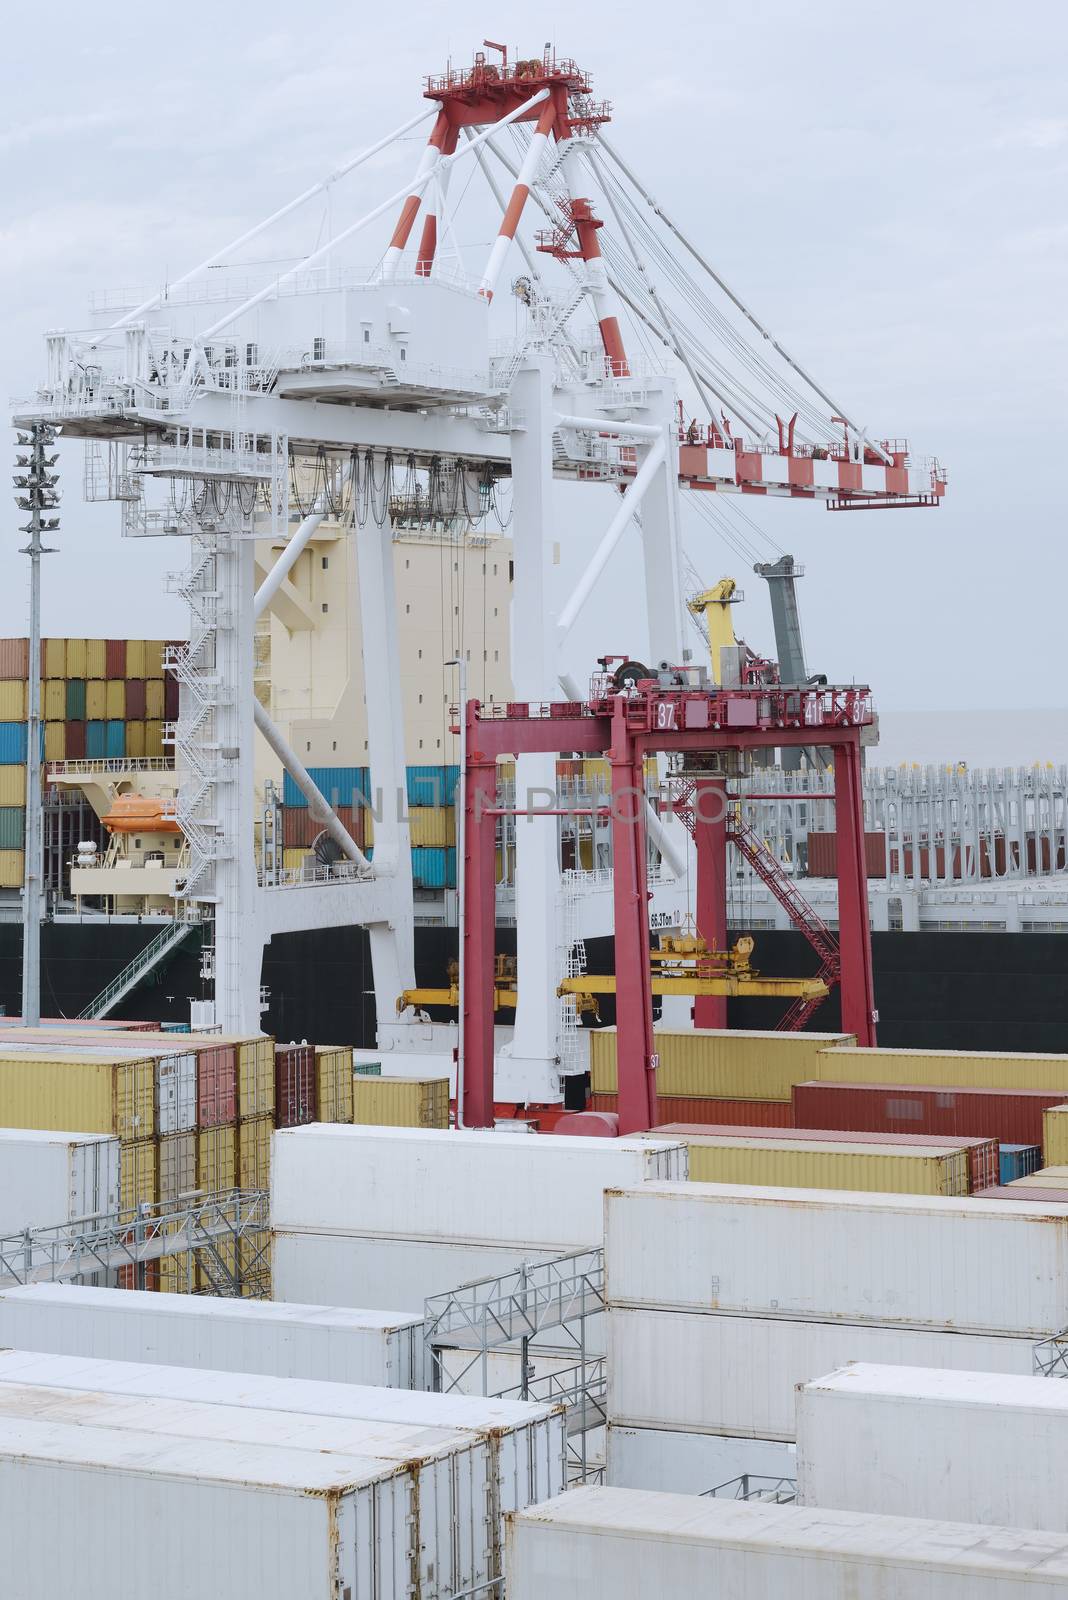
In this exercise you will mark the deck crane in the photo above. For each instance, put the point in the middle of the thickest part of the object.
(207, 402)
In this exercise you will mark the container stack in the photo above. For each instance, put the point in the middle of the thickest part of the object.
(722, 1298)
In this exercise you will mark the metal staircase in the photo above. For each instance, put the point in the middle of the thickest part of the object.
(145, 961)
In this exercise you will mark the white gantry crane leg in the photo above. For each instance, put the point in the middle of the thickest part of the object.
(392, 941)
(530, 1069)
(661, 538)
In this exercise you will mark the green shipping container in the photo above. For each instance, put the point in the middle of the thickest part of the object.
(75, 699)
(12, 827)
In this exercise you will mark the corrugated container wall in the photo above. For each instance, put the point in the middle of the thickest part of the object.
(954, 1068)
(1006, 1115)
(1055, 1136)
(95, 1093)
(724, 1063)
(47, 1178)
(700, 1108)
(216, 1084)
(333, 1065)
(14, 659)
(12, 700)
(12, 869)
(12, 827)
(400, 1102)
(1017, 1160)
(886, 1169)
(295, 1085)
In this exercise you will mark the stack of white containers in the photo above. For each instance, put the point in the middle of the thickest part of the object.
(723, 1298)
(49, 1178)
(336, 1343)
(272, 1487)
(383, 1217)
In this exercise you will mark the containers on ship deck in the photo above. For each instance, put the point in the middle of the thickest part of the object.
(226, 1335)
(724, 1063)
(1055, 1135)
(994, 1447)
(1017, 1160)
(400, 1102)
(631, 1544)
(1008, 1115)
(333, 1066)
(976, 1069)
(702, 1109)
(48, 1177)
(295, 1085)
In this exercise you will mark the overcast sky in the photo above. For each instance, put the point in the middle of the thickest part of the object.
(886, 186)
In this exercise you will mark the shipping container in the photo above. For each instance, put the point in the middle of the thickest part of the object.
(254, 1151)
(724, 1063)
(339, 786)
(294, 1085)
(96, 739)
(823, 855)
(473, 1461)
(135, 700)
(983, 1168)
(400, 1102)
(737, 1375)
(217, 1158)
(432, 786)
(434, 869)
(116, 700)
(421, 1183)
(1017, 1160)
(54, 656)
(74, 741)
(12, 743)
(115, 658)
(154, 739)
(821, 1164)
(432, 827)
(255, 1077)
(336, 1344)
(1006, 1115)
(981, 1266)
(77, 659)
(74, 700)
(1055, 1135)
(987, 1069)
(12, 827)
(12, 869)
(135, 739)
(177, 1167)
(96, 700)
(154, 699)
(51, 1177)
(115, 739)
(55, 741)
(96, 664)
(13, 785)
(170, 698)
(629, 1544)
(1043, 1178)
(176, 1092)
(701, 1108)
(676, 1462)
(14, 660)
(333, 1066)
(1024, 1189)
(12, 700)
(98, 1090)
(995, 1448)
(348, 1269)
(138, 1173)
(154, 649)
(216, 1084)
(53, 703)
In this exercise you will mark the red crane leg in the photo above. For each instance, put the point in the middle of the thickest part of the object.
(477, 933)
(710, 839)
(635, 1061)
(854, 924)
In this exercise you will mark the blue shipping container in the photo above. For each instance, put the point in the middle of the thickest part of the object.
(434, 867)
(115, 739)
(96, 740)
(12, 743)
(1017, 1160)
(432, 786)
(339, 785)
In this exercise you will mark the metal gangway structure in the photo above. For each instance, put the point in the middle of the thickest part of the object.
(621, 358)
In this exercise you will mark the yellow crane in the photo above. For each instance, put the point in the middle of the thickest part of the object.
(714, 605)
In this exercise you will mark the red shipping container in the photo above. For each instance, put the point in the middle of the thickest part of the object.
(216, 1085)
(135, 700)
(688, 1108)
(75, 741)
(14, 659)
(1036, 1193)
(295, 1082)
(983, 1159)
(823, 855)
(1013, 1116)
(115, 658)
(300, 829)
(170, 697)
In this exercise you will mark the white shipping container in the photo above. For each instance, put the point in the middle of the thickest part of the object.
(994, 1448)
(264, 1523)
(48, 1178)
(526, 1440)
(994, 1266)
(738, 1375)
(678, 1462)
(477, 1187)
(287, 1341)
(176, 1092)
(630, 1545)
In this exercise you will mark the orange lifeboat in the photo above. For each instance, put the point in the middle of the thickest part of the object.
(138, 813)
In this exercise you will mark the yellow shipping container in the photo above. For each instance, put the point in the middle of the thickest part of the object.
(115, 700)
(1055, 1136)
(154, 698)
(96, 659)
(135, 658)
(217, 1158)
(293, 859)
(96, 1092)
(815, 1164)
(153, 738)
(12, 868)
(952, 1069)
(333, 1067)
(722, 1063)
(55, 740)
(432, 825)
(178, 1273)
(54, 654)
(597, 773)
(54, 699)
(96, 698)
(135, 738)
(12, 700)
(401, 1102)
(153, 660)
(255, 1077)
(12, 786)
(177, 1166)
(138, 1173)
(77, 656)
(254, 1151)
(1044, 1178)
